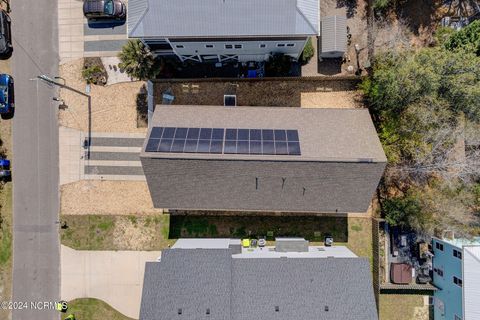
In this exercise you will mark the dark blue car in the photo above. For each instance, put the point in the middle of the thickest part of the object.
(7, 96)
(5, 172)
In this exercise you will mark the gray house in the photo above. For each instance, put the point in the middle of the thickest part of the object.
(220, 30)
(262, 159)
(217, 284)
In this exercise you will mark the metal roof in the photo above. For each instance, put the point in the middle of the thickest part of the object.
(195, 280)
(336, 135)
(471, 282)
(221, 18)
(334, 34)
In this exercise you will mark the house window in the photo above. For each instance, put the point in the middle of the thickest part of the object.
(290, 44)
(209, 46)
(228, 46)
(457, 254)
(238, 46)
(457, 281)
(280, 45)
(438, 271)
(179, 46)
(263, 45)
(439, 246)
(457, 318)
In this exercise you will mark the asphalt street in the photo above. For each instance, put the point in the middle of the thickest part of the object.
(36, 255)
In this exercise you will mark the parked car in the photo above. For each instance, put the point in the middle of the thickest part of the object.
(104, 9)
(6, 47)
(4, 164)
(7, 96)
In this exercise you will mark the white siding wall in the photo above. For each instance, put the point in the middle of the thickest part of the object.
(290, 47)
(471, 283)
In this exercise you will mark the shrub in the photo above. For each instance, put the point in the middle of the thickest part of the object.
(92, 74)
(467, 38)
(308, 52)
(279, 65)
(137, 61)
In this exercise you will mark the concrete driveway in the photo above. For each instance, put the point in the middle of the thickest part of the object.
(115, 277)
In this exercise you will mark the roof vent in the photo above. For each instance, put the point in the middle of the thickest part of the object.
(326, 308)
(230, 100)
(277, 308)
(179, 311)
(208, 311)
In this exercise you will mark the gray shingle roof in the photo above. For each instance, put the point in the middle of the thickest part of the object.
(238, 289)
(222, 18)
(191, 280)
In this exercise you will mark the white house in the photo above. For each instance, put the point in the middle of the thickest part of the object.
(220, 30)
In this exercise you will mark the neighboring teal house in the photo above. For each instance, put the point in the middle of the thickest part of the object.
(456, 273)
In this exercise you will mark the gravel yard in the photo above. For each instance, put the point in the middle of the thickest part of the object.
(295, 92)
(114, 108)
(106, 197)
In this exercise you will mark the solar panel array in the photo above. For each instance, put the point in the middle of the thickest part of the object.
(226, 141)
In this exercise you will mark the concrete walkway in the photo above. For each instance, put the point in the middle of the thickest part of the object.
(113, 156)
(115, 277)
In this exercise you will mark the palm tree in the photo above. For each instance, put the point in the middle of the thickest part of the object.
(137, 60)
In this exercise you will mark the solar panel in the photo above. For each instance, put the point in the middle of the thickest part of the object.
(224, 140)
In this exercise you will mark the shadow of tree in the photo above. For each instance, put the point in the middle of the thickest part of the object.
(225, 226)
(350, 5)
(142, 108)
(420, 15)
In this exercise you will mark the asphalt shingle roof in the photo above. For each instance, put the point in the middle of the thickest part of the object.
(326, 134)
(191, 280)
(222, 18)
(245, 289)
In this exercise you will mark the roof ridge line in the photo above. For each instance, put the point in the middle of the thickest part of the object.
(472, 255)
(140, 18)
(305, 17)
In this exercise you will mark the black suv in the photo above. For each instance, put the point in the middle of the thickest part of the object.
(6, 47)
(104, 9)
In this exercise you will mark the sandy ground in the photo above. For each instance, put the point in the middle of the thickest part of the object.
(113, 107)
(339, 99)
(106, 197)
(134, 238)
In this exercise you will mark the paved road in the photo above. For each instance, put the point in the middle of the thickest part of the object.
(36, 255)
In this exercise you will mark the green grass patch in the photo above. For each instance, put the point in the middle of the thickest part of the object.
(93, 309)
(5, 247)
(104, 232)
(240, 226)
(5, 225)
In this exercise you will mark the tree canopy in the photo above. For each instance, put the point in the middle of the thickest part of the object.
(467, 38)
(426, 107)
(137, 61)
